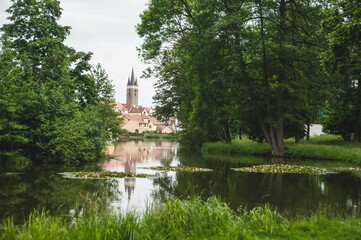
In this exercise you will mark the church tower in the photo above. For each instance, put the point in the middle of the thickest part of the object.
(132, 90)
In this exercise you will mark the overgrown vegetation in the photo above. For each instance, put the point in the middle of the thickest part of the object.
(322, 147)
(54, 105)
(182, 219)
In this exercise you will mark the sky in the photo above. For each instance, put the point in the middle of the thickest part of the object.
(106, 28)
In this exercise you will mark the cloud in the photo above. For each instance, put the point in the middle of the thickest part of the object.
(106, 28)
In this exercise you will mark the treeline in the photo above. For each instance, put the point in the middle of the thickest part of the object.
(260, 68)
(54, 105)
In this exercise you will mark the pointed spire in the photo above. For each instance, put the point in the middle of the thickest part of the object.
(136, 82)
(132, 81)
(128, 82)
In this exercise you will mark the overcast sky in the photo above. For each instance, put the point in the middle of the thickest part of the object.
(106, 28)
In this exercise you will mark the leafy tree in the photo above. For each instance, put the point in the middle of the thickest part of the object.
(342, 60)
(235, 66)
(11, 129)
(60, 105)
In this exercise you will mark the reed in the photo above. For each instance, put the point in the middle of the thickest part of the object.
(181, 219)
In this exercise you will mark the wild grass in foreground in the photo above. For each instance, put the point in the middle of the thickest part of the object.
(183, 219)
(322, 147)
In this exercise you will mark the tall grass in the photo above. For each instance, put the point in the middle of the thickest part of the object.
(182, 219)
(322, 147)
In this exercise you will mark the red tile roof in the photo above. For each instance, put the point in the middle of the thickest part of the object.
(136, 110)
(127, 106)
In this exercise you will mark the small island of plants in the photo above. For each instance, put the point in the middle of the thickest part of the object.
(179, 169)
(282, 168)
(102, 175)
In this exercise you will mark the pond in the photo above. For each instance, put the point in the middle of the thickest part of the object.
(42, 187)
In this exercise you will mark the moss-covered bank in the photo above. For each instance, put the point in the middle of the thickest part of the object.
(322, 147)
(183, 219)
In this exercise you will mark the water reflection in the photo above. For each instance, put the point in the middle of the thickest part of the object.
(133, 157)
(41, 187)
(290, 193)
(130, 155)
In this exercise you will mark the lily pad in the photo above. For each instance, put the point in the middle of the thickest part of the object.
(102, 175)
(179, 169)
(282, 168)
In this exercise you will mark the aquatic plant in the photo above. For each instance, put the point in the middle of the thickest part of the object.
(179, 169)
(102, 175)
(282, 168)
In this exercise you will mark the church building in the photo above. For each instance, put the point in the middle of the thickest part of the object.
(138, 119)
(132, 90)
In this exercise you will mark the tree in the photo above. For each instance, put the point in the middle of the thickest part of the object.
(342, 60)
(11, 129)
(59, 103)
(234, 65)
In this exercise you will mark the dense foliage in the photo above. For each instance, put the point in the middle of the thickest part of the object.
(247, 67)
(342, 60)
(54, 106)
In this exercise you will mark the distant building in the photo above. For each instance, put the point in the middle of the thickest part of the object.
(132, 90)
(139, 119)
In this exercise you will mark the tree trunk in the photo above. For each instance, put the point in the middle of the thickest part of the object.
(308, 131)
(274, 136)
(357, 135)
(297, 136)
(227, 134)
(223, 133)
(276, 145)
(282, 80)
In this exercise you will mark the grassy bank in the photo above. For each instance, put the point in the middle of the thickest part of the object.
(170, 137)
(321, 147)
(161, 136)
(181, 219)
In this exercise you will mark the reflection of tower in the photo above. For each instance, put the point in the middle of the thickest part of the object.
(130, 164)
(132, 90)
(129, 185)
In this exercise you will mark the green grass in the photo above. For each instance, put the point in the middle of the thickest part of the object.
(322, 147)
(183, 219)
(162, 136)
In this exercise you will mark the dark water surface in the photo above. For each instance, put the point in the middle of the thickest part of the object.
(41, 187)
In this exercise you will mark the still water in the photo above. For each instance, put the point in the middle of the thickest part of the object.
(39, 187)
